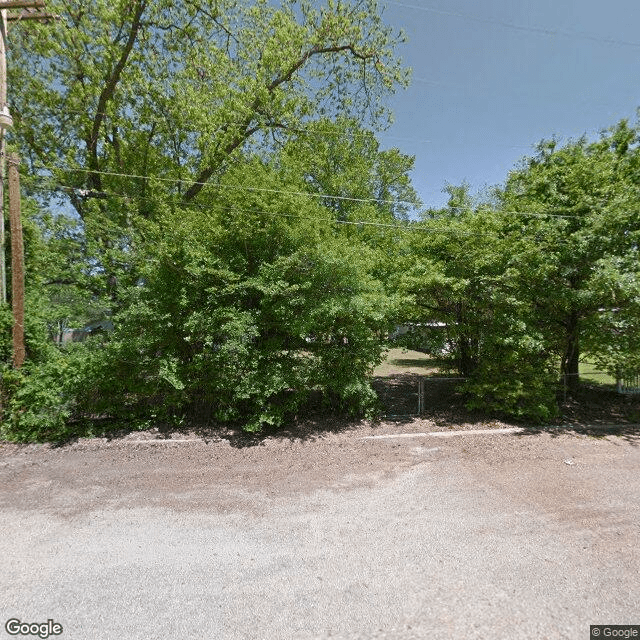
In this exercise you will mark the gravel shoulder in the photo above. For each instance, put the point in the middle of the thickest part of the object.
(325, 534)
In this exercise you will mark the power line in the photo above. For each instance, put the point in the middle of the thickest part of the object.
(325, 196)
(410, 228)
(357, 223)
(519, 27)
(231, 187)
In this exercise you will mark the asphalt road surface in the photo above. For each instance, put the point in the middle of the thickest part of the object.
(498, 536)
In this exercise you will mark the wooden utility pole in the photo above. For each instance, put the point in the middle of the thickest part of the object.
(5, 123)
(17, 262)
(27, 10)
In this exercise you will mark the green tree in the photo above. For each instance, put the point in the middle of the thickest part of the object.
(458, 273)
(247, 305)
(180, 90)
(157, 122)
(445, 271)
(252, 303)
(577, 258)
(340, 165)
(552, 272)
(343, 161)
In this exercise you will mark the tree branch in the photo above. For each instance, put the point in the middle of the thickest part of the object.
(314, 51)
(107, 94)
(245, 133)
(205, 174)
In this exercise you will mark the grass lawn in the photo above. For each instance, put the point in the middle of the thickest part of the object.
(406, 361)
(589, 371)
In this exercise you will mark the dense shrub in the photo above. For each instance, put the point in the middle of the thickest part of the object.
(37, 343)
(246, 312)
(514, 386)
(41, 401)
(252, 324)
(516, 375)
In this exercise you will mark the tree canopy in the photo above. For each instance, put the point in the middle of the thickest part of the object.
(124, 100)
(180, 89)
(206, 175)
(579, 261)
(195, 145)
(546, 272)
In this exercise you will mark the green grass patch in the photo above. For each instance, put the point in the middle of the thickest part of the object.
(589, 371)
(405, 361)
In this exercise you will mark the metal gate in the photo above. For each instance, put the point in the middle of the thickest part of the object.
(410, 395)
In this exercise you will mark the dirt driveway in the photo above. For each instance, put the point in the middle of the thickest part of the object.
(526, 535)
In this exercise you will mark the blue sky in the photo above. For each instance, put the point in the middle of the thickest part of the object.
(493, 78)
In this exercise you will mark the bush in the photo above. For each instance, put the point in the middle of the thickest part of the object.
(41, 400)
(514, 379)
(249, 313)
(37, 343)
(258, 345)
(251, 318)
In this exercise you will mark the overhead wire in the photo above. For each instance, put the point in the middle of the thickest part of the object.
(415, 227)
(357, 223)
(228, 186)
(519, 27)
(322, 196)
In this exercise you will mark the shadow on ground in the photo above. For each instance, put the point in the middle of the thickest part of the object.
(594, 410)
(312, 423)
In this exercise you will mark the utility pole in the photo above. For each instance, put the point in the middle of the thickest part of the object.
(27, 10)
(17, 262)
(5, 122)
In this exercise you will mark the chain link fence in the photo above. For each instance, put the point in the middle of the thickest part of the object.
(405, 396)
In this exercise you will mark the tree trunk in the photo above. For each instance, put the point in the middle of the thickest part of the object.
(467, 345)
(571, 358)
(466, 360)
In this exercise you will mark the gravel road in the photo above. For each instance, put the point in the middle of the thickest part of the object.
(476, 536)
